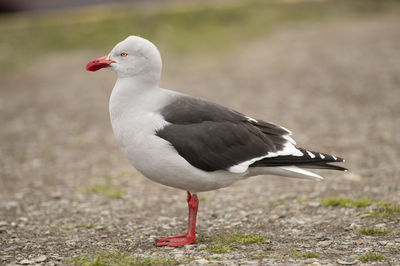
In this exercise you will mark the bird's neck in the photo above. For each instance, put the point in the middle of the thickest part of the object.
(131, 94)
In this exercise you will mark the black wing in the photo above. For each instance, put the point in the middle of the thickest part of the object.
(212, 137)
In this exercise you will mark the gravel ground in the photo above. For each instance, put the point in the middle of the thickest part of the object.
(67, 190)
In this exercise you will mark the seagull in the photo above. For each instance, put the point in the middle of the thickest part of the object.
(190, 143)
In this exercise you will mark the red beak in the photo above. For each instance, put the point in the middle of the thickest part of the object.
(99, 63)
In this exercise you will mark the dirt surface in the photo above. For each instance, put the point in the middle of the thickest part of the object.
(66, 189)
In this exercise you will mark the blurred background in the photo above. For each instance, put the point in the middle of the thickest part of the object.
(329, 70)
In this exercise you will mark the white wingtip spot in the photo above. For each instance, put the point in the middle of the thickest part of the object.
(322, 156)
(334, 157)
(297, 153)
(312, 155)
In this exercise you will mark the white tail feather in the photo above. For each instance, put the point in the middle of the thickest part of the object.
(289, 171)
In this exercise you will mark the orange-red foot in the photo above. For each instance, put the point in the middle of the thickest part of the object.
(176, 241)
(170, 237)
(190, 236)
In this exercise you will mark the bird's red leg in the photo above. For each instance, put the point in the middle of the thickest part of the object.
(190, 236)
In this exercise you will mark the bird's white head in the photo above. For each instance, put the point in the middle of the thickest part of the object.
(133, 57)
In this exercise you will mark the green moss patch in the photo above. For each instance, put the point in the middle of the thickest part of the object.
(305, 255)
(118, 258)
(372, 257)
(386, 210)
(229, 242)
(370, 231)
(347, 202)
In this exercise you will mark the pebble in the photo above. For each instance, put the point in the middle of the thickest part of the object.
(70, 242)
(202, 246)
(23, 219)
(3, 223)
(250, 262)
(365, 215)
(199, 262)
(26, 262)
(343, 262)
(296, 231)
(189, 247)
(320, 237)
(314, 204)
(165, 226)
(382, 243)
(380, 226)
(324, 243)
(41, 258)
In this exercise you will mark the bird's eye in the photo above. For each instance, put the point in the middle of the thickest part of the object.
(123, 54)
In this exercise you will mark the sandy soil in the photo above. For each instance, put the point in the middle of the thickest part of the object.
(335, 85)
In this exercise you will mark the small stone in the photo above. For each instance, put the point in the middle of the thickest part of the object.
(320, 237)
(314, 204)
(179, 256)
(41, 258)
(99, 227)
(236, 223)
(250, 262)
(380, 226)
(323, 262)
(3, 223)
(26, 262)
(56, 195)
(70, 242)
(202, 246)
(295, 231)
(324, 243)
(23, 219)
(189, 247)
(273, 217)
(383, 243)
(199, 262)
(343, 262)
(165, 226)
